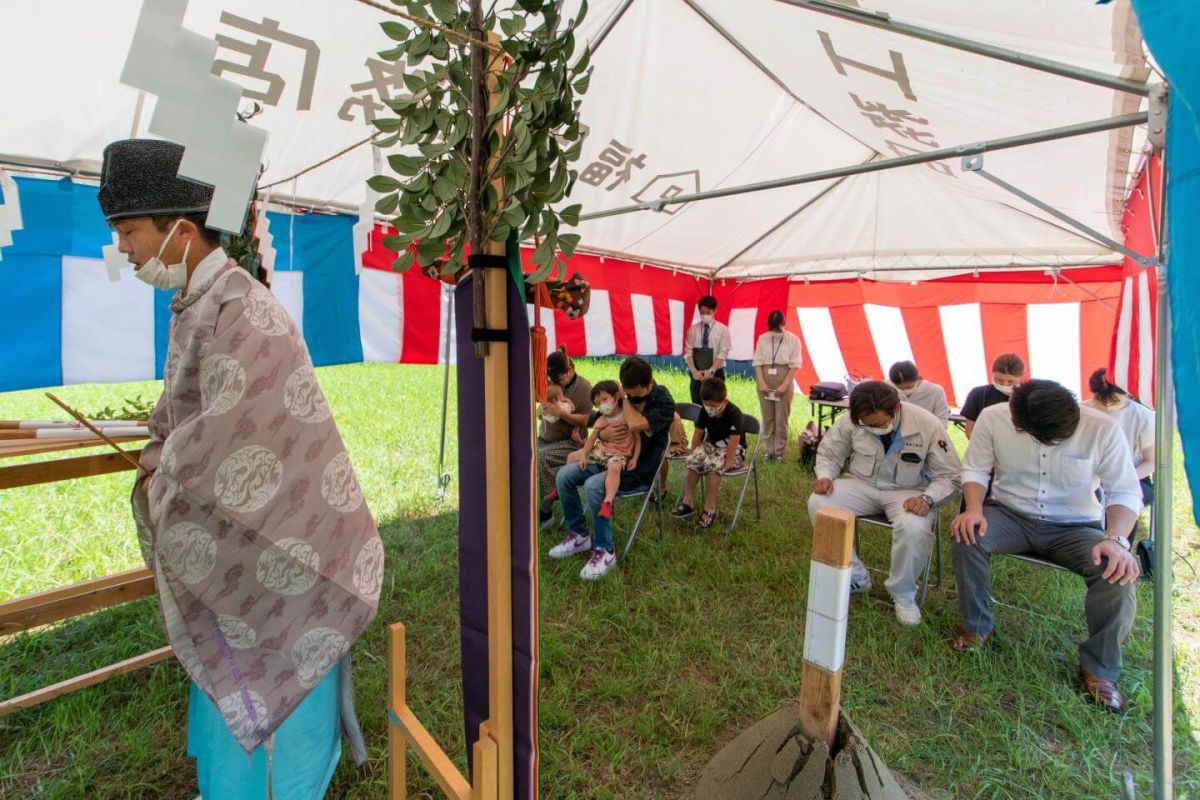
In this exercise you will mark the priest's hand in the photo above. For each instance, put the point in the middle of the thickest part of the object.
(145, 483)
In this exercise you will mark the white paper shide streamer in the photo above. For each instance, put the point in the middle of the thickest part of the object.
(196, 109)
(10, 210)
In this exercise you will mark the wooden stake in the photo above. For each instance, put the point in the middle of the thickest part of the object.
(84, 422)
(485, 787)
(397, 752)
(825, 631)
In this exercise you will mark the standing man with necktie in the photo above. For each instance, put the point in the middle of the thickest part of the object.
(706, 347)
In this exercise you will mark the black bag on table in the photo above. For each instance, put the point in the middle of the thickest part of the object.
(827, 390)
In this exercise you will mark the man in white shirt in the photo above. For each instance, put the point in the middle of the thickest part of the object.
(901, 465)
(1048, 456)
(706, 347)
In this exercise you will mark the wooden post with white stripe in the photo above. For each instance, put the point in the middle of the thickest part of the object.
(825, 631)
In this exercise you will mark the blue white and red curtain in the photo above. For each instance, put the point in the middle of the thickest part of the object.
(63, 321)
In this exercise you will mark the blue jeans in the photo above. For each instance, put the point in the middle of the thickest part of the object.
(568, 480)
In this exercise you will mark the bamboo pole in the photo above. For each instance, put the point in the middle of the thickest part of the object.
(93, 429)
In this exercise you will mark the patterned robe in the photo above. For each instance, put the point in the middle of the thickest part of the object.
(267, 561)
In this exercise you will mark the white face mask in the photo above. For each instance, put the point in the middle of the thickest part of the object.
(1004, 390)
(607, 408)
(891, 426)
(907, 393)
(712, 411)
(163, 276)
(706, 319)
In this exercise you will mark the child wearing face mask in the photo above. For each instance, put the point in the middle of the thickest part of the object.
(611, 444)
(1008, 372)
(717, 448)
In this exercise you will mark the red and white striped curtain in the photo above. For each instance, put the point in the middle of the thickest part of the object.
(1132, 361)
(953, 328)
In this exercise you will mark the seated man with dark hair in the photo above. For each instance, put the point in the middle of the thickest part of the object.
(1049, 456)
(901, 465)
(717, 448)
(648, 409)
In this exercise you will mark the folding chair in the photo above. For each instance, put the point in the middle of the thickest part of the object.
(880, 521)
(647, 492)
(689, 412)
(748, 469)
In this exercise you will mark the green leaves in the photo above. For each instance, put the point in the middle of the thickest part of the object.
(405, 165)
(382, 183)
(444, 10)
(570, 214)
(527, 172)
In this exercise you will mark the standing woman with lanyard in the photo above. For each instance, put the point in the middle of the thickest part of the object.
(776, 359)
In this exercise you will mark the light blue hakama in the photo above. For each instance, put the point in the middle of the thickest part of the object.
(308, 746)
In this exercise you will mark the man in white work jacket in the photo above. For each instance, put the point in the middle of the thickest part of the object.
(900, 464)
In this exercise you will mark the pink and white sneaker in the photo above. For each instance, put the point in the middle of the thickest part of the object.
(572, 544)
(598, 565)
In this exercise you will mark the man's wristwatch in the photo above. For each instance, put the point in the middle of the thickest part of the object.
(1118, 539)
(928, 500)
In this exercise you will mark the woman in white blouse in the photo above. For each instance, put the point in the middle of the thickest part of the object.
(776, 359)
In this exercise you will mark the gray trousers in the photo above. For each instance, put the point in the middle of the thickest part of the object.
(912, 536)
(1109, 608)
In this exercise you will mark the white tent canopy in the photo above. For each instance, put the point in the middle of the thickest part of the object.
(687, 96)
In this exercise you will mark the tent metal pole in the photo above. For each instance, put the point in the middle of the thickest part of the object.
(1164, 661)
(988, 145)
(443, 477)
(807, 204)
(765, 70)
(1091, 233)
(885, 22)
(1163, 529)
(608, 26)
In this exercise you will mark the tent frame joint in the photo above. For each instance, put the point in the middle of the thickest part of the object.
(1160, 97)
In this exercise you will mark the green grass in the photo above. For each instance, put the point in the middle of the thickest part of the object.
(644, 675)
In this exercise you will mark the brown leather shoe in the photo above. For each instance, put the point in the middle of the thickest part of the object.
(1102, 692)
(970, 642)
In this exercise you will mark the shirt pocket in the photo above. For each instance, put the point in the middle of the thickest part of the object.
(1077, 472)
(909, 474)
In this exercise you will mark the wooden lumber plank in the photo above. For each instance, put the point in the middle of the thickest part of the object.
(62, 603)
(82, 681)
(397, 750)
(433, 757)
(29, 447)
(63, 469)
